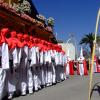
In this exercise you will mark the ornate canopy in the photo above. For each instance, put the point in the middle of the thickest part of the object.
(24, 23)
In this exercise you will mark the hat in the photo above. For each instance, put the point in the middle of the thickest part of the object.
(13, 34)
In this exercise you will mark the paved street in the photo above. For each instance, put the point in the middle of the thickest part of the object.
(74, 88)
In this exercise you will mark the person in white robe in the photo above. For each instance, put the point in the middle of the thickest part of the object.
(13, 59)
(4, 62)
(67, 63)
(18, 70)
(49, 69)
(24, 65)
(80, 60)
(29, 69)
(42, 75)
(53, 66)
(35, 62)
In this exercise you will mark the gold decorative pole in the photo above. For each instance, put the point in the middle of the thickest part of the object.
(89, 65)
(9, 2)
(93, 53)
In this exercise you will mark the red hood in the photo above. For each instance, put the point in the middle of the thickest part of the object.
(4, 33)
(26, 40)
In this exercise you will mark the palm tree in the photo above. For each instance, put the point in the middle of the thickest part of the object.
(88, 39)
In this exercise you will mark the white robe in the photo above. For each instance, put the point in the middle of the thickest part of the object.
(81, 66)
(29, 70)
(5, 56)
(53, 67)
(15, 58)
(23, 71)
(4, 65)
(49, 68)
(94, 67)
(67, 68)
(2, 83)
(12, 75)
(42, 69)
(33, 56)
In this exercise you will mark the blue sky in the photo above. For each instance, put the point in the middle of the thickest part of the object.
(71, 16)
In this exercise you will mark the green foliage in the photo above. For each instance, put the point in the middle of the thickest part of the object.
(88, 39)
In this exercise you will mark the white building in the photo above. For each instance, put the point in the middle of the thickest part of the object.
(71, 48)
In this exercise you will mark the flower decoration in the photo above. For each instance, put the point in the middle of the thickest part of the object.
(22, 7)
(13, 10)
(50, 21)
(41, 18)
(26, 6)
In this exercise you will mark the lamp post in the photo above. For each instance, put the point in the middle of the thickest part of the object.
(67, 43)
(74, 43)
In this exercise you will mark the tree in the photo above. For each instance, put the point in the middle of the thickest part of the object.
(88, 39)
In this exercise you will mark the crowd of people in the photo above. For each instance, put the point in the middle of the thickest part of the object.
(29, 64)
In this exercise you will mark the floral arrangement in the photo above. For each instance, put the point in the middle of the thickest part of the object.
(26, 6)
(12, 9)
(22, 7)
(39, 23)
(41, 18)
(50, 21)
